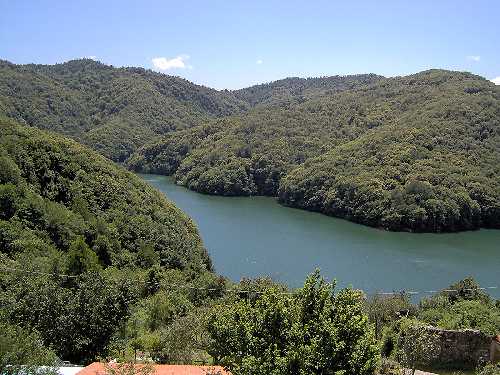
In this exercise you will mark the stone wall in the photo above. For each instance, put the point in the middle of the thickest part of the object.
(460, 348)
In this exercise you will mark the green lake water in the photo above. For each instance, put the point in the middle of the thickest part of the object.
(255, 236)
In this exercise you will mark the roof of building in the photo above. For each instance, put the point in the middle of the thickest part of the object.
(98, 368)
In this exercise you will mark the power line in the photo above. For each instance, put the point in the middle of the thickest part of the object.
(179, 286)
(236, 290)
(8, 269)
(411, 292)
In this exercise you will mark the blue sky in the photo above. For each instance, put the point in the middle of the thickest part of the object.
(233, 44)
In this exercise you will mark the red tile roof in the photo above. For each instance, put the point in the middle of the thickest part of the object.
(98, 368)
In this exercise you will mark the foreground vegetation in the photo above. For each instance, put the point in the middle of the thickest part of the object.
(401, 327)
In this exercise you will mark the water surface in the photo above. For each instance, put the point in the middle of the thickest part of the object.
(255, 236)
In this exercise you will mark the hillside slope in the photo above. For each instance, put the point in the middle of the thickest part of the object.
(420, 153)
(54, 191)
(279, 132)
(296, 90)
(113, 110)
(84, 245)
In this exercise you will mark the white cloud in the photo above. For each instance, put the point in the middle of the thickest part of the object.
(496, 80)
(91, 57)
(474, 58)
(179, 62)
(259, 62)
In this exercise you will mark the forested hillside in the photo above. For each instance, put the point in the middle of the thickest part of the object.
(64, 209)
(114, 110)
(117, 110)
(418, 153)
(294, 89)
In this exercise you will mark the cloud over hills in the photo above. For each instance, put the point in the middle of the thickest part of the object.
(178, 62)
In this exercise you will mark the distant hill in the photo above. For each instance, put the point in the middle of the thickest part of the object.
(419, 153)
(117, 110)
(296, 89)
(113, 110)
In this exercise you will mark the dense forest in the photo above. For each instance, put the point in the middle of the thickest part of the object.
(297, 90)
(419, 153)
(113, 110)
(116, 110)
(65, 210)
(97, 264)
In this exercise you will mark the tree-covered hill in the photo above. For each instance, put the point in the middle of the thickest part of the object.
(420, 153)
(353, 146)
(296, 89)
(116, 110)
(55, 192)
(66, 210)
(113, 110)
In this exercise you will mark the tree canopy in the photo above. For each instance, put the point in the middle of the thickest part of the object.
(312, 331)
(113, 110)
(418, 153)
(66, 210)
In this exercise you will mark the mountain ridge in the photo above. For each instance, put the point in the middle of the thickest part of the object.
(275, 138)
(256, 153)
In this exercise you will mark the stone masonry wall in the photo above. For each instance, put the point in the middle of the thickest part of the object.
(461, 348)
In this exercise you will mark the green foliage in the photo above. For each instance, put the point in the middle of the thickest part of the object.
(296, 90)
(9, 171)
(312, 331)
(23, 352)
(416, 344)
(66, 192)
(81, 258)
(168, 322)
(413, 153)
(163, 308)
(66, 210)
(9, 201)
(462, 305)
(184, 340)
(467, 289)
(413, 172)
(465, 314)
(114, 110)
(416, 153)
(385, 309)
(147, 256)
(77, 321)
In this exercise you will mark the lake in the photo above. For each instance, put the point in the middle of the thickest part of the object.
(255, 236)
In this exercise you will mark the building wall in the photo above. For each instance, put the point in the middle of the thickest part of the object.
(461, 348)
